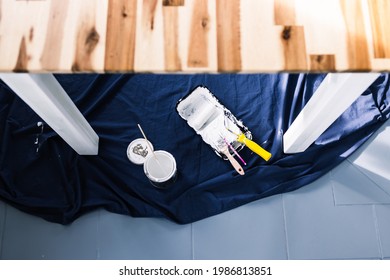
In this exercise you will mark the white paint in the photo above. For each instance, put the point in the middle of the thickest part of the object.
(335, 94)
(202, 111)
(161, 167)
(206, 115)
(48, 99)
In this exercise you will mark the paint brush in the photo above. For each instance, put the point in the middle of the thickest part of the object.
(223, 148)
(234, 151)
(253, 146)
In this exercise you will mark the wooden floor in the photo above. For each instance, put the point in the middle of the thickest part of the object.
(194, 35)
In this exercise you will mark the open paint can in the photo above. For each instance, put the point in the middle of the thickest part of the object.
(160, 169)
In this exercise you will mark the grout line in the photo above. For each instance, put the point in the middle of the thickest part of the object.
(3, 232)
(285, 227)
(362, 204)
(333, 192)
(378, 237)
(192, 242)
(342, 259)
(97, 236)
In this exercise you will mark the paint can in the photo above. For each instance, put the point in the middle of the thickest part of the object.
(160, 169)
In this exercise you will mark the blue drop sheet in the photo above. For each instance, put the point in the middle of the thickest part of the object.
(40, 174)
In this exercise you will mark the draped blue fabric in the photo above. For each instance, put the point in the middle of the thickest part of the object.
(40, 174)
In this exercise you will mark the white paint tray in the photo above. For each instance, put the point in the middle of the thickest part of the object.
(208, 117)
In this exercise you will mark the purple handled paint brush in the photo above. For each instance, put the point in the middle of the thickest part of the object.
(234, 151)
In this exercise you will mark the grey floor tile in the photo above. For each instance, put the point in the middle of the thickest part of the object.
(124, 237)
(252, 231)
(2, 223)
(380, 178)
(383, 218)
(317, 229)
(29, 237)
(380, 136)
(373, 158)
(351, 186)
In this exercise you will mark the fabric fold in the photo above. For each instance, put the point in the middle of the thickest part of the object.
(48, 179)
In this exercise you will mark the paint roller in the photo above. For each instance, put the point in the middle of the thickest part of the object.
(205, 114)
(202, 113)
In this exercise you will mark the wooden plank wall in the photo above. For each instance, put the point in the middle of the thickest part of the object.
(194, 35)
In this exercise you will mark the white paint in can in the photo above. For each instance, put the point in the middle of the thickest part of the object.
(161, 169)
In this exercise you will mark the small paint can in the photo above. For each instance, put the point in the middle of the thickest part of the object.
(160, 169)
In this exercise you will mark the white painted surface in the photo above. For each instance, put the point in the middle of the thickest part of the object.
(48, 99)
(335, 94)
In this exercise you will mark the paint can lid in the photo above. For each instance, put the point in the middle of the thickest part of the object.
(138, 151)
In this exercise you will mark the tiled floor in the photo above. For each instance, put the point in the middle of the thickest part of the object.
(2, 222)
(121, 237)
(254, 231)
(29, 237)
(352, 186)
(383, 220)
(343, 215)
(319, 229)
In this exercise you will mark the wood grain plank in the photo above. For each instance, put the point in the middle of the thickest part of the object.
(228, 35)
(324, 27)
(149, 48)
(294, 48)
(171, 37)
(22, 39)
(198, 45)
(380, 26)
(148, 13)
(357, 46)
(200, 35)
(23, 57)
(322, 62)
(173, 2)
(284, 12)
(87, 39)
(260, 43)
(120, 38)
(51, 55)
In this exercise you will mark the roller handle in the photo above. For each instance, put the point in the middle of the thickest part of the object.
(254, 147)
(234, 162)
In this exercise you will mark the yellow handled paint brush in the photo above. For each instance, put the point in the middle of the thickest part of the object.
(253, 146)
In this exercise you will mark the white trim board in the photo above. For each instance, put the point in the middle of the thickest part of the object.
(44, 94)
(335, 94)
